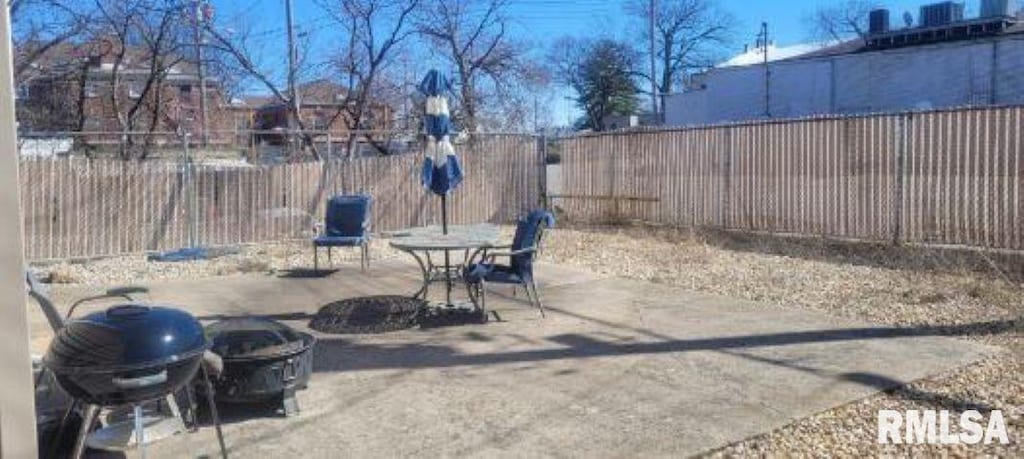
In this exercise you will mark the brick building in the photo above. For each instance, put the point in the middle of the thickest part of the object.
(322, 109)
(76, 88)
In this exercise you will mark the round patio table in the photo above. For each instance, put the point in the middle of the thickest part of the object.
(421, 242)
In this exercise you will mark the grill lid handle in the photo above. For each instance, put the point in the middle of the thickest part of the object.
(128, 311)
(140, 382)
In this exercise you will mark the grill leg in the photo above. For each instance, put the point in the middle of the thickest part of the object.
(316, 259)
(140, 431)
(59, 437)
(88, 417)
(213, 412)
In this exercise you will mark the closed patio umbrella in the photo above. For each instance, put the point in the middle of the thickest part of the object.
(442, 172)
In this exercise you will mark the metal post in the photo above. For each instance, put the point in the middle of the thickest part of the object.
(726, 180)
(17, 407)
(199, 19)
(763, 39)
(653, 59)
(542, 150)
(903, 140)
(293, 92)
(447, 254)
(187, 187)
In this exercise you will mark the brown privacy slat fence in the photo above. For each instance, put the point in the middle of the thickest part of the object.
(86, 208)
(946, 177)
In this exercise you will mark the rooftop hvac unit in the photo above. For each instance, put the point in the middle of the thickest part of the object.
(995, 9)
(878, 21)
(940, 14)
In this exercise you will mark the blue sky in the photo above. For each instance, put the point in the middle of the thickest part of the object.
(542, 21)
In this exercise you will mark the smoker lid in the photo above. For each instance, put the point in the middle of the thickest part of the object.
(128, 336)
(255, 338)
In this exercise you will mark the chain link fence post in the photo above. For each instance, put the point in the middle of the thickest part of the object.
(190, 195)
(542, 179)
(903, 139)
(726, 166)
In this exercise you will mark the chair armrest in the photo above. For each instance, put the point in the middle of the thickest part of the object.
(492, 255)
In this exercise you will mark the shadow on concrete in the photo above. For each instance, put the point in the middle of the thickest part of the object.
(899, 388)
(339, 355)
(282, 316)
(306, 273)
(361, 357)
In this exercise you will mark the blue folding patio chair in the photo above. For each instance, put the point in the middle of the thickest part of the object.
(481, 267)
(346, 224)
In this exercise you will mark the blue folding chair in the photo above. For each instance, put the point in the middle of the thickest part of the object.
(346, 224)
(525, 248)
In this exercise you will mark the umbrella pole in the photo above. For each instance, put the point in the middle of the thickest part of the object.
(447, 261)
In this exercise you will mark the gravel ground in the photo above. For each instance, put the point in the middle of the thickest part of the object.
(269, 257)
(936, 296)
(980, 306)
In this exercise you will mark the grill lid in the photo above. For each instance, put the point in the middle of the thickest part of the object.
(125, 337)
(254, 338)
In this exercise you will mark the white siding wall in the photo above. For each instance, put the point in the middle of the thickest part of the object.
(922, 77)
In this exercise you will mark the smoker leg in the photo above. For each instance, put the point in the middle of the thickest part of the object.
(88, 418)
(330, 260)
(316, 258)
(288, 401)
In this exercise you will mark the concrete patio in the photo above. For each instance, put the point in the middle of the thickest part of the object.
(618, 368)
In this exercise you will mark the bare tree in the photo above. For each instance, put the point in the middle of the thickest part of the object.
(688, 35)
(842, 20)
(39, 26)
(148, 41)
(376, 29)
(241, 49)
(474, 37)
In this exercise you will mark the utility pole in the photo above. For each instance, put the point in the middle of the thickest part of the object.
(198, 21)
(293, 92)
(535, 108)
(764, 43)
(654, 78)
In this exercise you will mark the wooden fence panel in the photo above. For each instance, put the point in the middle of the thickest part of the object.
(86, 208)
(943, 177)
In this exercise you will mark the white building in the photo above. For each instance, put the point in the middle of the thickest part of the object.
(923, 68)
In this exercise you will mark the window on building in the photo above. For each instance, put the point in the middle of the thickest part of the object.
(321, 123)
(93, 124)
(185, 93)
(92, 89)
(134, 90)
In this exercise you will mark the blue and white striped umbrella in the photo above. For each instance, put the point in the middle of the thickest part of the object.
(442, 171)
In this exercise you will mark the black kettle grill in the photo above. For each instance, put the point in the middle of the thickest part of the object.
(127, 354)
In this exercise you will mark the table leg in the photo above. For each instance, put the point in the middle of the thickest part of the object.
(425, 271)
